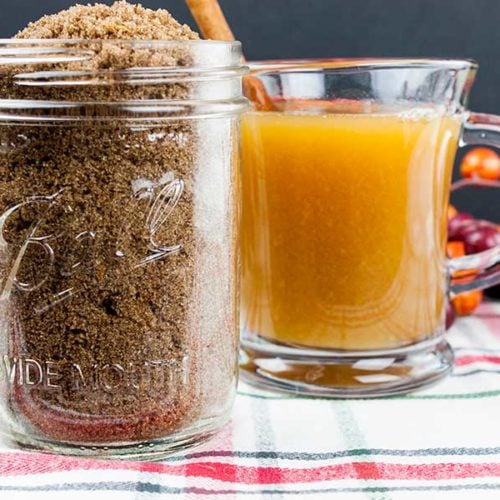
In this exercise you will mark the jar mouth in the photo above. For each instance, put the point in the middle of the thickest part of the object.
(63, 81)
(131, 41)
(60, 50)
(176, 59)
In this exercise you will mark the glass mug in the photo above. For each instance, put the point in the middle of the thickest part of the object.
(346, 184)
(119, 221)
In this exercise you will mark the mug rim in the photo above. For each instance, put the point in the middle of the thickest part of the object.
(361, 63)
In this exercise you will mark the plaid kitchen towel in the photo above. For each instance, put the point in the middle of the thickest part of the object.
(441, 443)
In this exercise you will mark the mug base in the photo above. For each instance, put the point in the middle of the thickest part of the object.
(341, 374)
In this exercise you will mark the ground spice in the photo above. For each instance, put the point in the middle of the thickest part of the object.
(120, 21)
(104, 315)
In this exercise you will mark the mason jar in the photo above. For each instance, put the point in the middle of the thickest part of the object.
(118, 243)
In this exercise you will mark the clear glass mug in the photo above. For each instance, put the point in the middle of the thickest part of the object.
(346, 183)
(119, 205)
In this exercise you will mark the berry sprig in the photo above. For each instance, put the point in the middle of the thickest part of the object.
(467, 235)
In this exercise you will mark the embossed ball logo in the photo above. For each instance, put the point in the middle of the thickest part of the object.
(155, 200)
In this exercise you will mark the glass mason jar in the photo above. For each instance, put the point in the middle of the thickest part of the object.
(118, 243)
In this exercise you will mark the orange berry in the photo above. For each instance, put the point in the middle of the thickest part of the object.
(466, 303)
(452, 211)
(455, 249)
(490, 169)
(481, 162)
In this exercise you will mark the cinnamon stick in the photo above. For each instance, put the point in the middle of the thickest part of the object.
(210, 19)
(213, 25)
(257, 94)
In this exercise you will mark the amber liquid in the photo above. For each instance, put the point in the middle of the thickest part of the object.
(344, 226)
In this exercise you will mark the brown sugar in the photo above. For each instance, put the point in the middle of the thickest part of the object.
(120, 21)
(105, 306)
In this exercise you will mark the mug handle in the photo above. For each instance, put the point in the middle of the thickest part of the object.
(480, 270)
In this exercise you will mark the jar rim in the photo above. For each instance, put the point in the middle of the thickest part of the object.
(40, 68)
(134, 41)
(202, 54)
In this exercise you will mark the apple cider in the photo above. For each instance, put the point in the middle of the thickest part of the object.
(344, 226)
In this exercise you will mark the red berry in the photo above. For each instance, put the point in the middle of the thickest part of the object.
(481, 238)
(456, 223)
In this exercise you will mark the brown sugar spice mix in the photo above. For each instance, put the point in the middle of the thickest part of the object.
(102, 326)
